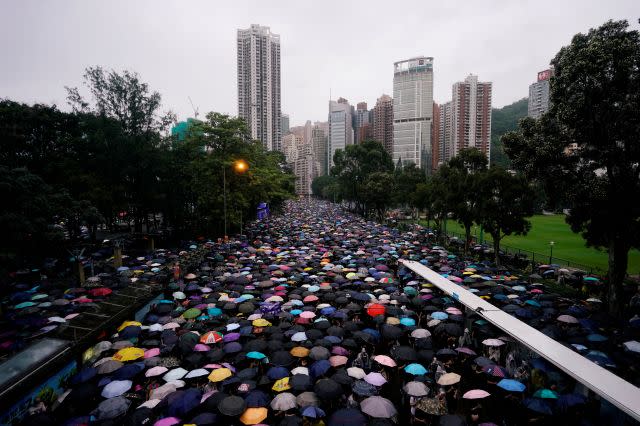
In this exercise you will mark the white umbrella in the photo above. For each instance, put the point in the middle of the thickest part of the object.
(632, 346)
(492, 342)
(116, 388)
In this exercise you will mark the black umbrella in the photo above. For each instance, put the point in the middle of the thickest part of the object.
(232, 406)
(327, 389)
(347, 417)
(404, 354)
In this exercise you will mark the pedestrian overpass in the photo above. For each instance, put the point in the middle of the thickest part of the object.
(617, 391)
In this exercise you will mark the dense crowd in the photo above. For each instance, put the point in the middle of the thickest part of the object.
(311, 320)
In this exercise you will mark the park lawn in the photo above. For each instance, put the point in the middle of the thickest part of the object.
(567, 245)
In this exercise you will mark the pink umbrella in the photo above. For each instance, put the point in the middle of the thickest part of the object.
(156, 371)
(453, 311)
(201, 348)
(568, 319)
(310, 298)
(214, 366)
(307, 314)
(167, 421)
(492, 342)
(152, 352)
(454, 278)
(384, 360)
(338, 360)
(476, 394)
(339, 350)
(466, 351)
(536, 291)
(375, 379)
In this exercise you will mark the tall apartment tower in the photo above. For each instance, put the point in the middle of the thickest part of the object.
(362, 127)
(340, 128)
(319, 147)
(539, 94)
(435, 138)
(446, 148)
(413, 111)
(284, 124)
(383, 122)
(259, 84)
(471, 115)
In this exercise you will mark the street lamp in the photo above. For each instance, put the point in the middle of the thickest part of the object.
(239, 166)
(551, 243)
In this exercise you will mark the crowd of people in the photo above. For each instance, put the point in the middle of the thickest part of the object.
(310, 319)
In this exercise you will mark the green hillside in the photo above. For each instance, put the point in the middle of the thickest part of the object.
(504, 120)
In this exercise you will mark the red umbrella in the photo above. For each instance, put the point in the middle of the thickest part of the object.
(100, 291)
(376, 309)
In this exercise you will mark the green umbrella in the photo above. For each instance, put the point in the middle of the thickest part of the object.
(545, 394)
(191, 313)
(24, 305)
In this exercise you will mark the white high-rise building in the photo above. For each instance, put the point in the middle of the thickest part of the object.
(340, 128)
(259, 84)
(413, 111)
(539, 94)
(471, 115)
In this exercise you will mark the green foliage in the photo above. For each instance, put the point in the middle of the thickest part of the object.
(504, 203)
(504, 120)
(595, 99)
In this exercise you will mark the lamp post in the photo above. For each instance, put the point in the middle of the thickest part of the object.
(240, 166)
(551, 243)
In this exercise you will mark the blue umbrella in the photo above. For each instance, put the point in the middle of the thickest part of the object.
(84, 375)
(511, 385)
(597, 338)
(128, 371)
(312, 412)
(439, 316)
(569, 400)
(277, 373)
(319, 368)
(538, 405)
(409, 322)
(184, 402)
(533, 303)
(347, 417)
(415, 369)
(257, 398)
(256, 355)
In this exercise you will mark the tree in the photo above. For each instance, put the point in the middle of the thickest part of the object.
(591, 135)
(504, 120)
(406, 181)
(375, 193)
(354, 164)
(465, 171)
(505, 201)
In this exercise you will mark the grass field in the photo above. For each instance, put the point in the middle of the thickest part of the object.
(567, 245)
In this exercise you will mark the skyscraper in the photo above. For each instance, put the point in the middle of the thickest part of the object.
(319, 145)
(284, 124)
(446, 148)
(471, 115)
(413, 111)
(539, 94)
(362, 127)
(383, 122)
(340, 127)
(259, 84)
(435, 137)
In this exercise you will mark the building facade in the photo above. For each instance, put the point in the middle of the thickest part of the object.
(383, 122)
(259, 84)
(539, 95)
(435, 138)
(446, 148)
(340, 128)
(362, 123)
(413, 111)
(284, 124)
(471, 115)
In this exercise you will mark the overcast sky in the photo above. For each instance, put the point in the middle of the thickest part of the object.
(188, 48)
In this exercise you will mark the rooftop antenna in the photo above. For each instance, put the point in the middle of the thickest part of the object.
(196, 112)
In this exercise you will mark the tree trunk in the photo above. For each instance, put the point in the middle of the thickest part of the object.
(467, 237)
(618, 260)
(496, 248)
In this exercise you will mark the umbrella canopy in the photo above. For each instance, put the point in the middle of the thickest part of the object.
(417, 389)
(283, 402)
(378, 407)
(449, 379)
(476, 394)
(128, 354)
(116, 388)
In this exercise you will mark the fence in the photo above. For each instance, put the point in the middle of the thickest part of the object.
(526, 256)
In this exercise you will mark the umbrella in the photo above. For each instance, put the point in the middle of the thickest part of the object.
(415, 369)
(476, 394)
(378, 407)
(128, 354)
(356, 372)
(327, 389)
(632, 346)
(449, 379)
(211, 337)
(385, 360)
(109, 367)
(417, 389)
(537, 405)
(281, 385)
(156, 371)
(283, 402)
(307, 399)
(492, 342)
(511, 385)
(362, 388)
(545, 394)
(375, 379)
(220, 374)
(116, 388)
(568, 319)
(111, 408)
(347, 417)
(253, 416)
(232, 406)
(312, 412)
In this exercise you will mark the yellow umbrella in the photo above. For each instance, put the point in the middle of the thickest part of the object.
(253, 416)
(220, 374)
(261, 322)
(299, 352)
(128, 354)
(281, 385)
(127, 324)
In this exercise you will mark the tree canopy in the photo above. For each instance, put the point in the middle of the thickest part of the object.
(585, 151)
